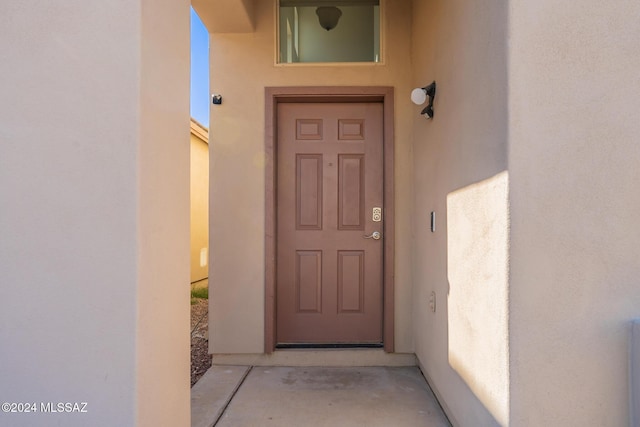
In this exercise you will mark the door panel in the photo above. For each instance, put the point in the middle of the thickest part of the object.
(329, 179)
(309, 175)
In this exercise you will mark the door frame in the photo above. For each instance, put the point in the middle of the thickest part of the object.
(321, 94)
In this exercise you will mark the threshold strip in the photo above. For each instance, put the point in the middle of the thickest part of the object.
(325, 345)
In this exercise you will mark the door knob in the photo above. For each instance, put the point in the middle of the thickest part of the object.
(375, 236)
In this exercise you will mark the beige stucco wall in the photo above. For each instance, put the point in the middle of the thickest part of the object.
(460, 173)
(94, 211)
(538, 141)
(199, 147)
(574, 153)
(226, 16)
(162, 339)
(241, 66)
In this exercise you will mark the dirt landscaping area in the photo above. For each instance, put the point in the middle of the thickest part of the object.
(200, 359)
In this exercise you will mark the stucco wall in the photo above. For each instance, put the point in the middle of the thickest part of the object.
(574, 154)
(241, 66)
(199, 193)
(94, 211)
(162, 341)
(460, 173)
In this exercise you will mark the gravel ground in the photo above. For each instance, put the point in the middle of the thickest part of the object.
(200, 359)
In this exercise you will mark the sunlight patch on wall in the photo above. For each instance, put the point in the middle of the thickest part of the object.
(478, 238)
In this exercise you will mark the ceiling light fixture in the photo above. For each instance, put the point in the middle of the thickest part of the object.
(328, 16)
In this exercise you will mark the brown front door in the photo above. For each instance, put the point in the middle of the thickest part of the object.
(329, 180)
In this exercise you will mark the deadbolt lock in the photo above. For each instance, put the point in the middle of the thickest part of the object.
(377, 215)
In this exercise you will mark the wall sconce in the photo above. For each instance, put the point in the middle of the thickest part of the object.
(328, 16)
(419, 96)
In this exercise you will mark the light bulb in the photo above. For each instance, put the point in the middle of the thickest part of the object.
(418, 96)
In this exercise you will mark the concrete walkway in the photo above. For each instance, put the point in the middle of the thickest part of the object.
(235, 396)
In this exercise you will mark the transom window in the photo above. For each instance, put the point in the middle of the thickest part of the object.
(328, 31)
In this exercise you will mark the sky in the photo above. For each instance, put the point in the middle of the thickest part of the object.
(199, 70)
